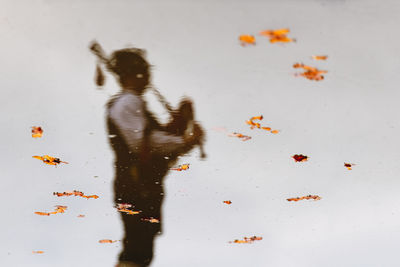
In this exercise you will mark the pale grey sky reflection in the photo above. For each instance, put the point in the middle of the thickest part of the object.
(47, 80)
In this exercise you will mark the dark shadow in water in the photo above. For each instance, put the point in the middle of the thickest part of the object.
(144, 149)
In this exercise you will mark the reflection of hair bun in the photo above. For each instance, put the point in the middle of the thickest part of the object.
(128, 61)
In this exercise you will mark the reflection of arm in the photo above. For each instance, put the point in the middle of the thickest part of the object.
(127, 113)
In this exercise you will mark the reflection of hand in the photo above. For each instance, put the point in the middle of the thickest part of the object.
(195, 136)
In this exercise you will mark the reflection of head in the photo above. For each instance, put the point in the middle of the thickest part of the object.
(131, 67)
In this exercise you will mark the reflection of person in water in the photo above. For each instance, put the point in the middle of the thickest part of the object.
(144, 151)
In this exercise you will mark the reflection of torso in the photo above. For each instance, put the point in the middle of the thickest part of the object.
(139, 173)
(144, 151)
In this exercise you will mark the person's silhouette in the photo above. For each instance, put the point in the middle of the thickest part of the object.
(144, 150)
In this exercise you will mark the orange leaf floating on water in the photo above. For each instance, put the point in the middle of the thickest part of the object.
(42, 213)
(349, 165)
(38, 252)
(279, 35)
(246, 39)
(250, 122)
(68, 193)
(301, 65)
(257, 118)
(150, 220)
(240, 136)
(74, 193)
(182, 167)
(107, 241)
(258, 125)
(37, 131)
(281, 39)
(126, 208)
(91, 196)
(254, 124)
(319, 57)
(59, 209)
(49, 160)
(310, 73)
(255, 238)
(239, 241)
(300, 158)
(278, 32)
(227, 202)
(315, 197)
(247, 240)
(129, 212)
(81, 216)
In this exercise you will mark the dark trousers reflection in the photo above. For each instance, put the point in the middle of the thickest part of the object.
(147, 198)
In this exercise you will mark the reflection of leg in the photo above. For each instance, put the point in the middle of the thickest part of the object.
(139, 234)
(138, 241)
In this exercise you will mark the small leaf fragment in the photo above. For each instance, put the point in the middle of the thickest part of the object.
(107, 241)
(314, 197)
(247, 39)
(279, 35)
(300, 157)
(349, 166)
(182, 167)
(37, 131)
(49, 160)
(246, 240)
(319, 57)
(240, 136)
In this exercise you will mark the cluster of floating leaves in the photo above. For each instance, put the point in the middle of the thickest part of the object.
(314, 197)
(74, 193)
(182, 167)
(258, 125)
(280, 36)
(275, 36)
(126, 208)
(247, 240)
(49, 160)
(59, 209)
(37, 131)
(310, 73)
